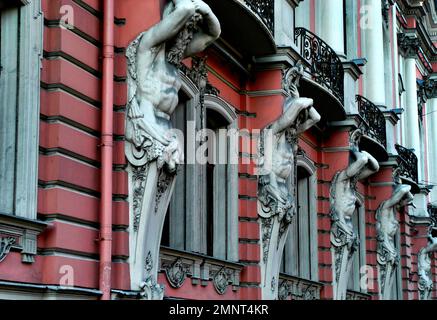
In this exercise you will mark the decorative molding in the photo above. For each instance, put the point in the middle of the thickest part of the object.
(176, 273)
(387, 226)
(153, 151)
(25, 232)
(355, 296)
(200, 269)
(221, 281)
(5, 246)
(344, 201)
(298, 289)
(428, 88)
(409, 44)
(277, 183)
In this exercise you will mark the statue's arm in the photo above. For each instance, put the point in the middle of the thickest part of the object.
(358, 165)
(290, 115)
(169, 27)
(372, 167)
(399, 193)
(313, 118)
(205, 36)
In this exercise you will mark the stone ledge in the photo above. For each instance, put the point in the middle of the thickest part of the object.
(22, 235)
(179, 265)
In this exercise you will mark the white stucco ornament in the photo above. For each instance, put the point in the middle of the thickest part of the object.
(277, 183)
(424, 268)
(343, 199)
(387, 226)
(152, 150)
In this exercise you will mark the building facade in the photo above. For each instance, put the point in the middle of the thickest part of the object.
(338, 97)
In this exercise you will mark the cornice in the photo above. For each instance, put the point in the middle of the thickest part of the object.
(409, 44)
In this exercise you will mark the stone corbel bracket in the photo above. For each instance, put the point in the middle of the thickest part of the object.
(19, 234)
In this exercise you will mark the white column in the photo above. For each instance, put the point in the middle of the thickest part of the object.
(330, 23)
(432, 146)
(374, 79)
(284, 22)
(412, 133)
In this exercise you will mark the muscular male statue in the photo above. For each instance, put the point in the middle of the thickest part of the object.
(387, 225)
(424, 267)
(187, 27)
(152, 149)
(299, 115)
(343, 189)
(277, 184)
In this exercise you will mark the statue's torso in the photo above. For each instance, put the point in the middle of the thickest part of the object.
(158, 81)
(283, 159)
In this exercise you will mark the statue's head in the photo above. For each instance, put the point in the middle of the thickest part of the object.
(355, 140)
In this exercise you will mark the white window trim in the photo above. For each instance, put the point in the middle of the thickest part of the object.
(219, 105)
(27, 103)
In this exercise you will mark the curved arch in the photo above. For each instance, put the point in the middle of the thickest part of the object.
(221, 106)
(306, 163)
(188, 87)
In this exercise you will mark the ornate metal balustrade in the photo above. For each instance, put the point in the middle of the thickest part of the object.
(326, 66)
(374, 120)
(298, 289)
(407, 161)
(264, 9)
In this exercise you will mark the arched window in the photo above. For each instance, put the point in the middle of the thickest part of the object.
(300, 257)
(203, 212)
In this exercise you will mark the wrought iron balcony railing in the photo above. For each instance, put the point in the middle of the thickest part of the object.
(407, 163)
(374, 120)
(265, 10)
(326, 66)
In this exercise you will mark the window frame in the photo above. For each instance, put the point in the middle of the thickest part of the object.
(18, 215)
(307, 165)
(195, 215)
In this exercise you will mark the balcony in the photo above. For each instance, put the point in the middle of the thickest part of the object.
(326, 66)
(407, 166)
(265, 10)
(326, 73)
(373, 127)
(247, 26)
